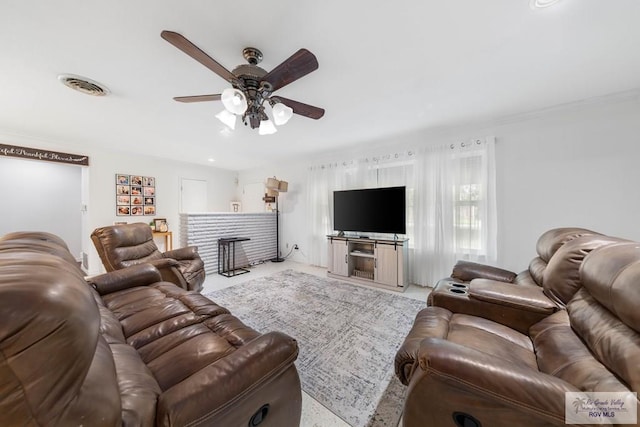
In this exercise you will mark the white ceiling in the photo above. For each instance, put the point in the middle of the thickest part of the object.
(384, 69)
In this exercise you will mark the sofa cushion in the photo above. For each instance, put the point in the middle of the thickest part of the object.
(473, 332)
(167, 325)
(563, 354)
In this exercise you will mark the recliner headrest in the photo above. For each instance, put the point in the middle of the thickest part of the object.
(611, 275)
(552, 240)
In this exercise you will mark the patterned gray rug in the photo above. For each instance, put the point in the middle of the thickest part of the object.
(348, 336)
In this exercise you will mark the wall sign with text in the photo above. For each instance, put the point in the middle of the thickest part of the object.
(45, 155)
(135, 195)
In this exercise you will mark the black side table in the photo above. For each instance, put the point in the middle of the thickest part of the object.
(228, 248)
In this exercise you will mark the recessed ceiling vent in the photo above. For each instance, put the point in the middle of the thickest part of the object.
(83, 84)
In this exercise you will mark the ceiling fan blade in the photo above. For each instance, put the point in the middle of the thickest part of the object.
(297, 65)
(198, 98)
(302, 109)
(179, 41)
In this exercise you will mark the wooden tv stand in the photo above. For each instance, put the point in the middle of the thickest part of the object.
(377, 262)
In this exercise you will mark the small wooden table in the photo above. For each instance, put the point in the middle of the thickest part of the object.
(168, 239)
(228, 258)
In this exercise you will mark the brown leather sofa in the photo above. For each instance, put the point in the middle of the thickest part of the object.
(128, 349)
(554, 281)
(121, 246)
(480, 370)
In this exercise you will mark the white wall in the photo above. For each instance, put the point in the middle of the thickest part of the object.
(570, 166)
(573, 166)
(292, 204)
(41, 196)
(98, 188)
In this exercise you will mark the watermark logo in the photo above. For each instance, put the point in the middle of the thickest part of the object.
(601, 408)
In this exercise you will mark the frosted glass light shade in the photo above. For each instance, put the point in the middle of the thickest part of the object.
(267, 127)
(539, 4)
(227, 118)
(234, 101)
(281, 113)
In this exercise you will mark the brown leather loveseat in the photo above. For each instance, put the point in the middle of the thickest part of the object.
(128, 349)
(480, 370)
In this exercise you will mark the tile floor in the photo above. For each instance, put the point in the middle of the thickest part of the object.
(313, 413)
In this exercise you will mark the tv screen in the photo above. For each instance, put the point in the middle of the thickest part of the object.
(376, 210)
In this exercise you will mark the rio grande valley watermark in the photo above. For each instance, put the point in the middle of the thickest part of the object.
(601, 408)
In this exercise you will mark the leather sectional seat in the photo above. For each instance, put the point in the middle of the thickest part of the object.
(503, 357)
(129, 349)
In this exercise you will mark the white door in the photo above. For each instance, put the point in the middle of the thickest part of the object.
(193, 195)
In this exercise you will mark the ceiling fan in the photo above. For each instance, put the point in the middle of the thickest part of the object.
(253, 86)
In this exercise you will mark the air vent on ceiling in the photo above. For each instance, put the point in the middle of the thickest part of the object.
(83, 84)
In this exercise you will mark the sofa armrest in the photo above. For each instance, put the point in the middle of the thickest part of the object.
(130, 277)
(467, 271)
(448, 372)
(518, 307)
(205, 396)
(527, 298)
(190, 252)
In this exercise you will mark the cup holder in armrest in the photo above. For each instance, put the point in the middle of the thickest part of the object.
(458, 285)
(457, 290)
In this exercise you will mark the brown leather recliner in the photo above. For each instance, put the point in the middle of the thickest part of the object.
(523, 305)
(121, 246)
(547, 245)
(471, 371)
(130, 350)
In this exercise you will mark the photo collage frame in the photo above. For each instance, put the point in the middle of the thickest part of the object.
(135, 195)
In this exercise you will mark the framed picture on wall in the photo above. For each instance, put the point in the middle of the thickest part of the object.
(135, 195)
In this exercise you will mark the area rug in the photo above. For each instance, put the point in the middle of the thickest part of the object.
(348, 336)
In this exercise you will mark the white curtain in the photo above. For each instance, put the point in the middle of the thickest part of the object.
(451, 206)
(377, 171)
(455, 208)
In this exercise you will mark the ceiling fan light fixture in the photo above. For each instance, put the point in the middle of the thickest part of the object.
(267, 127)
(227, 118)
(281, 113)
(234, 101)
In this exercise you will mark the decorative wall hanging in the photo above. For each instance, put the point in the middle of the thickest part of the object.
(135, 195)
(38, 154)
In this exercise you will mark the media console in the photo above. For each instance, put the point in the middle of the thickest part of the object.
(370, 261)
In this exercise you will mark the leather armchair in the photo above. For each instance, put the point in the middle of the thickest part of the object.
(121, 246)
(471, 371)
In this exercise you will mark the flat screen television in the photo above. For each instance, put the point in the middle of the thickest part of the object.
(374, 210)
